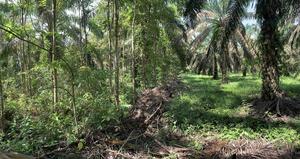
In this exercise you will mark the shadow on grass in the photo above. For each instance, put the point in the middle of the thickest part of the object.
(209, 106)
(210, 94)
(210, 120)
(293, 90)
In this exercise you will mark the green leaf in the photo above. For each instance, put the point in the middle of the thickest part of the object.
(80, 145)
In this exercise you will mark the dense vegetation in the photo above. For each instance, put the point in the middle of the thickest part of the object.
(72, 67)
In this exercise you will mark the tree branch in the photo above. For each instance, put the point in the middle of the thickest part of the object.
(4, 28)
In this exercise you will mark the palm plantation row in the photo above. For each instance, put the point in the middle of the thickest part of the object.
(224, 21)
(70, 67)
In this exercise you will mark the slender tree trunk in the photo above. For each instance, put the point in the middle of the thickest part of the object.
(80, 32)
(133, 64)
(144, 71)
(122, 57)
(1, 103)
(29, 66)
(53, 57)
(109, 46)
(74, 100)
(215, 67)
(26, 55)
(87, 56)
(23, 54)
(155, 63)
(164, 66)
(144, 57)
(270, 53)
(117, 54)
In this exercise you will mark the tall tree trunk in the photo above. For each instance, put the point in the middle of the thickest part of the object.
(87, 56)
(110, 64)
(144, 67)
(29, 66)
(154, 72)
(54, 56)
(133, 63)
(1, 103)
(74, 99)
(23, 58)
(215, 67)
(122, 56)
(80, 4)
(25, 54)
(270, 50)
(117, 54)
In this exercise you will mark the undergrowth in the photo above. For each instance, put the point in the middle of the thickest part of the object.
(211, 110)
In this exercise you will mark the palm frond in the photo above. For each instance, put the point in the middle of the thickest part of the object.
(95, 29)
(200, 38)
(294, 39)
(192, 8)
(241, 40)
(290, 9)
(236, 11)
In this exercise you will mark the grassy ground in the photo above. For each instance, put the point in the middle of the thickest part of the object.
(211, 110)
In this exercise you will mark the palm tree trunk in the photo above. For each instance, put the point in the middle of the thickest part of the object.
(215, 67)
(224, 63)
(245, 69)
(270, 51)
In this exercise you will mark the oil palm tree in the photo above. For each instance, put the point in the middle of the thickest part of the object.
(270, 15)
(214, 22)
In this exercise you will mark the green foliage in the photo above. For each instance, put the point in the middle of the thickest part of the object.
(78, 62)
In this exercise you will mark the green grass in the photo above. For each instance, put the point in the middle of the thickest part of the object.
(209, 109)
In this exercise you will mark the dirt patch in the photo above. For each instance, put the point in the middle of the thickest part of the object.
(149, 107)
(282, 107)
(135, 136)
(247, 149)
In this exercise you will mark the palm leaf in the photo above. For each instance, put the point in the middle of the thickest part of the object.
(200, 38)
(192, 8)
(241, 40)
